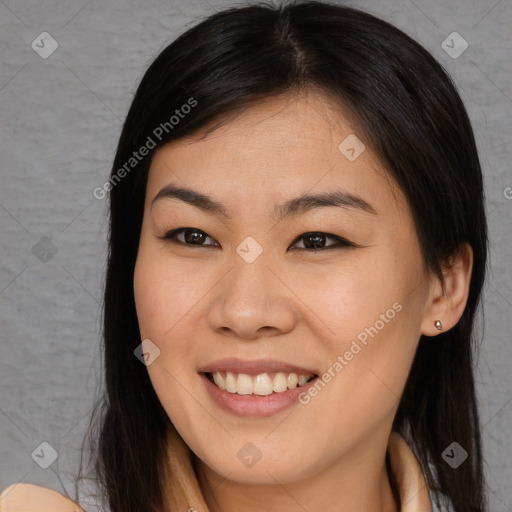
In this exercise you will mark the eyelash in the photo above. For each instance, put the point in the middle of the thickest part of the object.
(170, 236)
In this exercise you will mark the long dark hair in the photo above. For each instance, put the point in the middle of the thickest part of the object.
(409, 112)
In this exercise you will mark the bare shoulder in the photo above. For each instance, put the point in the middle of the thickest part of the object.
(33, 498)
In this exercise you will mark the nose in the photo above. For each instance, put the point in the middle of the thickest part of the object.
(252, 301)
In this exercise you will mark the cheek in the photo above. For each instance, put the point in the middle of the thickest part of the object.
(165, 293)
(349, 296)
(165, 296)
(369, 312)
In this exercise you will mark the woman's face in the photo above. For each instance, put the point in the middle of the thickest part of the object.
(242, 291)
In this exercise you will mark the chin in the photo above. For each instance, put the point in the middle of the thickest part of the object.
(252, 467)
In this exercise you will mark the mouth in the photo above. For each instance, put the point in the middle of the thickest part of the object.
(256, 388)
(261, 384)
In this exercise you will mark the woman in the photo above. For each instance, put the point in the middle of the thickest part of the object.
(297, 250)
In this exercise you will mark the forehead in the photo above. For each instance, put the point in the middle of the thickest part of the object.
(276, 148)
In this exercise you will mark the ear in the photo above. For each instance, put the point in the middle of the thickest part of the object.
(447, 301)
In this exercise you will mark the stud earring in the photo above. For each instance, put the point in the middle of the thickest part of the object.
(438, 325)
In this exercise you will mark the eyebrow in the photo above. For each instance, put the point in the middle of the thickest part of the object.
(297, 205)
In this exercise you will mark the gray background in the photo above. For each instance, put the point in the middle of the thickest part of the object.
(60, 121)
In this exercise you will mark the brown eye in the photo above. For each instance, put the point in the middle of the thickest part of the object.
(191, 236)
(315, 241)
(312, 241)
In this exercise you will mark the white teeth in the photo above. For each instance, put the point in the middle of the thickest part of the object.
(219, 380)
(230, 383)
(292, 380)
(302, 380)
(280, 383)
(262, 384)
(244, 385)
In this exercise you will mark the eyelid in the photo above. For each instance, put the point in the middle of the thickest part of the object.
(170, 235)
(341, 242)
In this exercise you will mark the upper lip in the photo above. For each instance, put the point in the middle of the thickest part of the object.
(255, 367)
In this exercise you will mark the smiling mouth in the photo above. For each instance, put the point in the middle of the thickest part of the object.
(262, 384)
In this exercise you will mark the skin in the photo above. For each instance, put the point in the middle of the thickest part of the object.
(202, 303)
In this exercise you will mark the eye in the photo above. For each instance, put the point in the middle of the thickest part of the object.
(314, 241)
(192, 236)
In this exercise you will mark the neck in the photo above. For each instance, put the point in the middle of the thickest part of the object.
(357, 481)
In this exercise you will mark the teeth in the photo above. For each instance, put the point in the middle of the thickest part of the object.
(280, 383)
(217, 377)
(292, 381)
(261, 385)
(244, 385)
(302, 380)
(230, 382)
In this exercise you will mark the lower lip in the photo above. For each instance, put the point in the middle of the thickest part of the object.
(254, 406)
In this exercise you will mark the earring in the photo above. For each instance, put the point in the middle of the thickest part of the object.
(438, 325)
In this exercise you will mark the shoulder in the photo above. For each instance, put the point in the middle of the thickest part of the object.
(33, 498)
